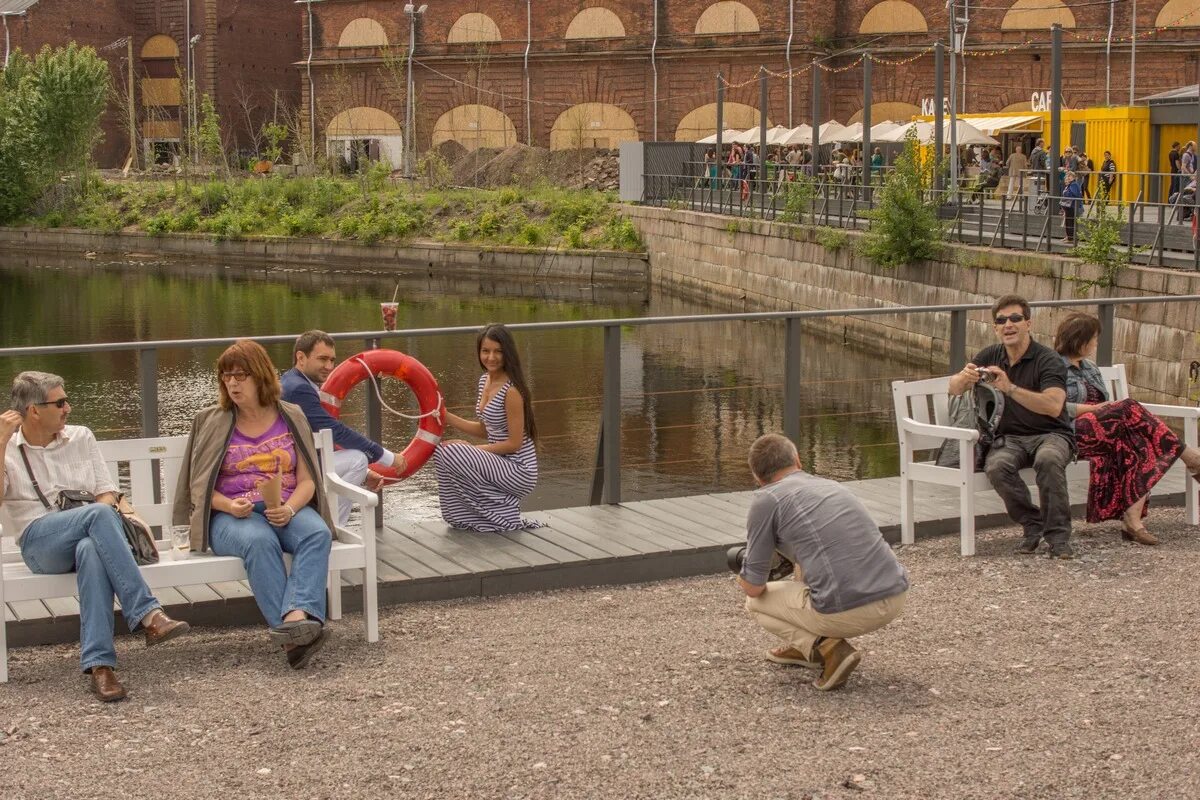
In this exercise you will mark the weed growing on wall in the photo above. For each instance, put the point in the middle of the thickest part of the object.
(905, 226)
(1100, 242)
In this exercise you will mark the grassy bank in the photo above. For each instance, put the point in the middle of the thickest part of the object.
(366, 209)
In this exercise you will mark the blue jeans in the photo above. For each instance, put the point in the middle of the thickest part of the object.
(261, 547)
(91, 541)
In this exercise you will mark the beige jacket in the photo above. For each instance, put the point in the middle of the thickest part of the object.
(211, 430)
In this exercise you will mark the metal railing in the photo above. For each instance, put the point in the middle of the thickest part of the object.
(606, 482)
(977, 212)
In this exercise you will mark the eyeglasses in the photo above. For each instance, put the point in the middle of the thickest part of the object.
(235, 377)
(1000, 320)
(59, 403)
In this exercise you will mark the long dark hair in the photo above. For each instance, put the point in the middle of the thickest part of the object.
(512, 366)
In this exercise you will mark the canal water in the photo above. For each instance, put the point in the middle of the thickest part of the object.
(694, 396)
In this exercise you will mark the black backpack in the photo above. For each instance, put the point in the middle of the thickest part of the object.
(980, 409)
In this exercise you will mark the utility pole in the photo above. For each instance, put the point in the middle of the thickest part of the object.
(939, 90)
(866, 123)
(1055, 105)
(955, 49)
(816, 118)
(763, 99)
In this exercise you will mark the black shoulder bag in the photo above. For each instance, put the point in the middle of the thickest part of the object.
(137, 532)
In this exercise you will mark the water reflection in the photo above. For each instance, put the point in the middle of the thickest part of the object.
(694, 396)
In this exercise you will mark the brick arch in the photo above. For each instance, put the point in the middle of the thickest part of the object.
(894, 110)
(364, 121)
(474, 126)
(592, 125)
(701, 122)
(595, 22)
(1037, 15)
(363, 32)
(893, 16)
(727, 16)
(1175, 14)
(473, 27)
(160, 46)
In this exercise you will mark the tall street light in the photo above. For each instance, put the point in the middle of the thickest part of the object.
(312, 94)
(409, 106)
(192, 106)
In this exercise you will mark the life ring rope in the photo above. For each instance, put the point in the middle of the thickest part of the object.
(434, 412)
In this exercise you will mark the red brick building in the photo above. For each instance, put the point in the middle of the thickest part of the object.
(562, 73)
(243, 56)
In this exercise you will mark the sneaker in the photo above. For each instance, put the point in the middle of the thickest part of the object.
(1029, 545)
(1062, 551)
(840, 660)
(791, 657)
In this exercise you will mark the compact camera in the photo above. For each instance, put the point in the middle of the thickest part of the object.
(781, 565)
(985, 375)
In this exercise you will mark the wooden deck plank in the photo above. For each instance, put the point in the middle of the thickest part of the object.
(665, 538)
(465, 547)
(608, 529)
(231, 590)
(713, 518)
(494, 544)
(199, 593)
(693, 536)
(577, 530)
(555, 552)
(400, 562)
(409, 554)
(715, 529)
(713, 537)
(554, 536)
(63, 606)
(31, 610)
(169, 596)
(452, 557)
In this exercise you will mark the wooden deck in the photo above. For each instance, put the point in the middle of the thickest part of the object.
(587, 546)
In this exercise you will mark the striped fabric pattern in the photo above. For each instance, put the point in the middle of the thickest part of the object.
(482, 491)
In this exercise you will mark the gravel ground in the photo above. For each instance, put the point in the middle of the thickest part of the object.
(1007, 677)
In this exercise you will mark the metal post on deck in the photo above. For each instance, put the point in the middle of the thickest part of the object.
(375, 429)
(866, 123)
(939, 88)
(610, 417)
(1055, 109)
(720, 158)
(791, 381)
(148, 386)
(762, 141)
(816, 120)
(958, 339)
(1104, 349)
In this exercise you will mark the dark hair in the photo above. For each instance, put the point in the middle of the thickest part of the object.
(250, 356)
(1011, 300)
(512, 366)
(308, 340)
(1074, 333)
(1174, 144)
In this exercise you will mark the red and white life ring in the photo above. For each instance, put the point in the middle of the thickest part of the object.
(370, 363)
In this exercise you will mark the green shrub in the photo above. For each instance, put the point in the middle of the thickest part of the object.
(462, 231)
(159, 224)
(491, 222)
(797, 198)
(508, 196)
(574, 237)
(303, 222)
(55, 219)
(348, 226)
(212, 197)
(531, 234)
(1100, 242)
(905, 226)
(188, 220)
(832, 238)
(620, 234)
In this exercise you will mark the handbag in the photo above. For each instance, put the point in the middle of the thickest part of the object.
(980, 409)
(137, 532)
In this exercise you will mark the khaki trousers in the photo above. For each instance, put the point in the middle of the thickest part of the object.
(785, 609)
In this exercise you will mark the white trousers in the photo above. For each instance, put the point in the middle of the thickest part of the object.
(350, 466)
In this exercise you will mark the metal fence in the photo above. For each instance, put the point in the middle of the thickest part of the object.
(606, 483)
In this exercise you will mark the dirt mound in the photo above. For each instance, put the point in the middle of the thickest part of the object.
(520, 165)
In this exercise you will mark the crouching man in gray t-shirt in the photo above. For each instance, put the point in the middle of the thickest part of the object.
(847, 580)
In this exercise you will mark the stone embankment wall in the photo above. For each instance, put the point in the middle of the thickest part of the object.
(439, 260)
(763, 266)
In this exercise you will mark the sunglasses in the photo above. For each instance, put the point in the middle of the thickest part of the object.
(59, 403)
(235, 377)
(1000, 320)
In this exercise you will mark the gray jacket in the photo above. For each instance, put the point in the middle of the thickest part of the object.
(1078, 379)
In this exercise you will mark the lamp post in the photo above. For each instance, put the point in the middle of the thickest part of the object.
(192, 114)
(413, 12)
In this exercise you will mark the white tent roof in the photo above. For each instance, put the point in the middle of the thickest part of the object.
(924, 131)
(10, 8)
(834, 131)
(801, 134)
(993, 125)
(746, 137)
(777, 134)
(966, 133)
(726, 137)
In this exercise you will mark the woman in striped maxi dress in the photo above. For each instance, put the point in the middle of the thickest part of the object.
(481, 486)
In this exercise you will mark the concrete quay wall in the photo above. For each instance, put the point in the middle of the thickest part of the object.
(752, 265)
(434, 258)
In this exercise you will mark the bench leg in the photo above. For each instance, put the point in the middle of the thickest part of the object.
(371, 600)
(3, 635)
(334, 590)
(966, 506)
(908, 533)
(1190, 485)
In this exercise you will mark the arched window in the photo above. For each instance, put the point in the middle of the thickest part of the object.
(160, 46)
(727, 16)
(474, 27)
(365, 132)
(1179, 14)
(474, 126)
(592, 125)
(363, 32)
(702, 121)
(888, 110)
(1037, 15)
(595, 23)
(893, 16)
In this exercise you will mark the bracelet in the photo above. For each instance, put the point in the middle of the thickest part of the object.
(289, 508)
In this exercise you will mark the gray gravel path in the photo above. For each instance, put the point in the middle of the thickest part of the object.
(1008, 677)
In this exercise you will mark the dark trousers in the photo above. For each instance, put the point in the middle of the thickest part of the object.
(1069, 222)
(1048, 454)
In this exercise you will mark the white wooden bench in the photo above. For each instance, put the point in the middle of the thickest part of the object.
(922, 421)
(352, 550)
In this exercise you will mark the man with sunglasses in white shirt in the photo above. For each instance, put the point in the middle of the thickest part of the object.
(44, 457)
(1034, 429)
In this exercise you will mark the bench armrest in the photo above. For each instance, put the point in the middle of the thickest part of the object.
(1176, 412)
(945, 431)
(348, 490)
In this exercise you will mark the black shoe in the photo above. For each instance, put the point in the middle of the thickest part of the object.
(299, 656)
(1062, 551)
(1029, 545)
(298, 632)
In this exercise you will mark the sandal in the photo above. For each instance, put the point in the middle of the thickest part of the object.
(1139, 535)
(791, 657)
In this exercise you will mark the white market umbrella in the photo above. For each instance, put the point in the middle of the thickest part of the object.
(967, 134)
(801, 134)
(882, 129)
(923, 130)
(777, 134)
(853, 133)
(726, 137)
(747, 137)
(833, 131)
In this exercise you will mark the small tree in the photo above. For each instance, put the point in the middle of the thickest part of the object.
(274, 134)
(208, 138)
(905, 227)
(1100, 241)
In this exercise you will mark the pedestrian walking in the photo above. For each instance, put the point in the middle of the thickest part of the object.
(1071, 204)
(1174, 159)
(1016, 166)
(1108, 176)
(1084, 173)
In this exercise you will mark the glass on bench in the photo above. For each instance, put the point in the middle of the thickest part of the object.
(181, 541)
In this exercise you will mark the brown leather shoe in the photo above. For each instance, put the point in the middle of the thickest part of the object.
(106, 686)
(840, 660)
(161, 628)
(1139, 535)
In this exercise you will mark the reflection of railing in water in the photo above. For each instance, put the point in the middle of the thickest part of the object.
(606, 485)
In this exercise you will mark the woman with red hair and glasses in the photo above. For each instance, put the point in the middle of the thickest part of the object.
(248, 448)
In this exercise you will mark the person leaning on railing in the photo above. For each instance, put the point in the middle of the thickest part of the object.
(1129, 448)
(248, 489)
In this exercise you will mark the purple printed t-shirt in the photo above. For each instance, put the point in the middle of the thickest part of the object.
(250, 461)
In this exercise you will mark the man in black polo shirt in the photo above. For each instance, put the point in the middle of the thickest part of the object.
(1034, 429)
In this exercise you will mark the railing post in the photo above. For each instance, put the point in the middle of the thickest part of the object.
(148, 386)
(375, 429)
(791, 381)
(1104, 349)
(610, 420)
(958, 339)
(1132, 210)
